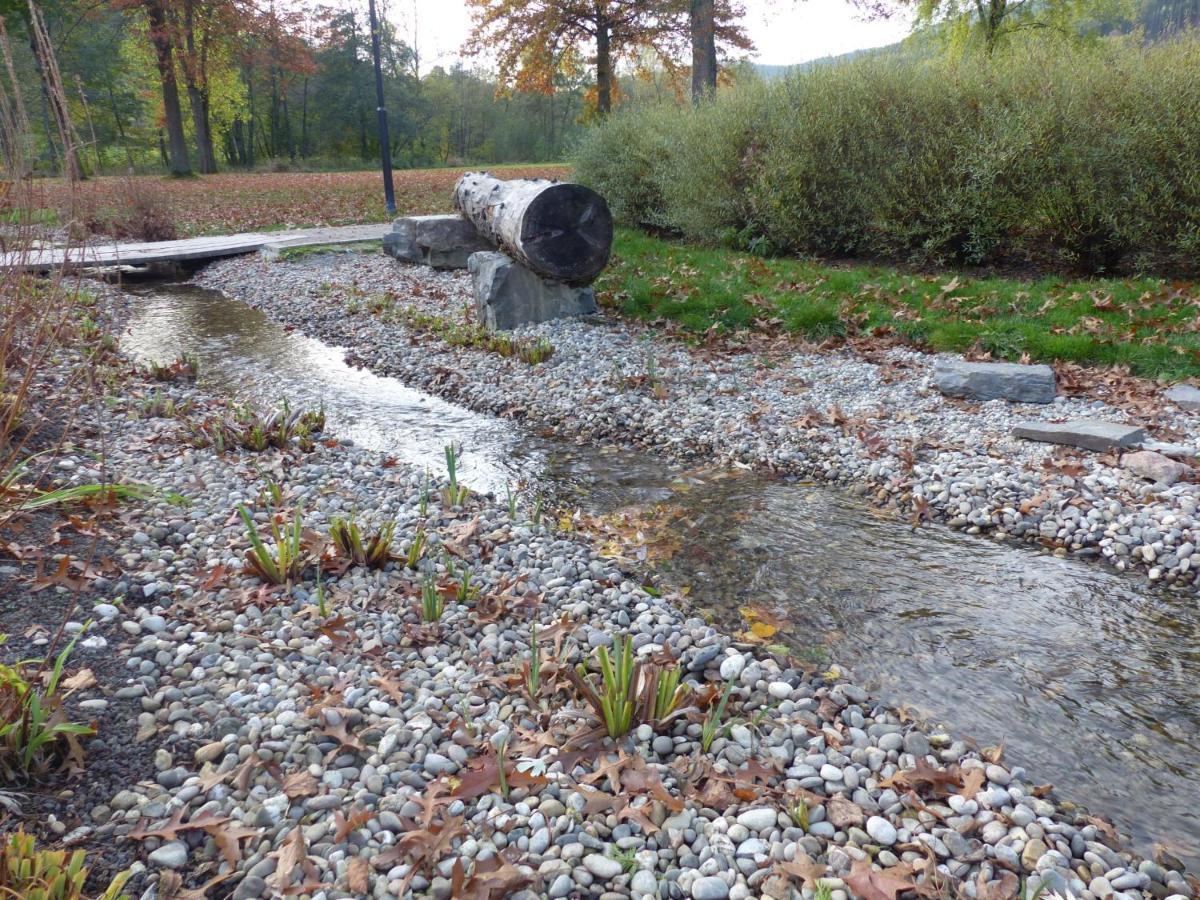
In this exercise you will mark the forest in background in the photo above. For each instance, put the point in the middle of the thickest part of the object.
(282, 90)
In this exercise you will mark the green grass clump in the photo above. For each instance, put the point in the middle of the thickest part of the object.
(35, 734)
(1147, 324)
(282, 562)
(35, 874)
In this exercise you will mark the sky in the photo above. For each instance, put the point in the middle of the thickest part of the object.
(784, 31)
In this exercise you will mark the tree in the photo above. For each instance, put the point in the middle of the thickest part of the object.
(534, 37)
(162, 39)
(990, 21)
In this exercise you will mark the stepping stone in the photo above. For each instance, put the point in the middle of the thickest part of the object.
(994, 381)
(1155, 467)
(508, 295)
(1090, 434)
(1185, 396)
(443, 241)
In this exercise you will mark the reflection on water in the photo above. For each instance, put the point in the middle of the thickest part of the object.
(243, 352)
(1087, 677)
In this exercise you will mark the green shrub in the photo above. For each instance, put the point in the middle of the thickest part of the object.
(1074, 155)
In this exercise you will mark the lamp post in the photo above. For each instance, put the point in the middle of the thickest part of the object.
(385, 143)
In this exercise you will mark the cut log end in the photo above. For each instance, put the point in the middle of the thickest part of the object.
(568, 231)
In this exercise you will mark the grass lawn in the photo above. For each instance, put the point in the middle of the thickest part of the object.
(1149, 325)
(265, 201)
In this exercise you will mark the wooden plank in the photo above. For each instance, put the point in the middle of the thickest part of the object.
(212, 247)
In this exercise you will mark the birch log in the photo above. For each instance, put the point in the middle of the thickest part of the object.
(560, 230)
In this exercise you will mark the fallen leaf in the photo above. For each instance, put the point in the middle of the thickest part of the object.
(357, 874)
(804, 868)
(876, 884)
(843, 812)
(300, 784)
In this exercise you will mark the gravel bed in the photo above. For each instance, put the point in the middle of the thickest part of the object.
(325, 755)
(345, 751)
(877, 425)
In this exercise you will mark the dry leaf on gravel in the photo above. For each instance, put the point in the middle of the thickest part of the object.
(358, 872)
(875, 884)
(300, 784)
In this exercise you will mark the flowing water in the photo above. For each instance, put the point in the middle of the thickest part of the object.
(1089, 678)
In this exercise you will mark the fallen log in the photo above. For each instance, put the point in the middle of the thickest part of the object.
(560, 230)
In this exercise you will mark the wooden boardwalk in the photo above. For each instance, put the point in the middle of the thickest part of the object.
(188, 249)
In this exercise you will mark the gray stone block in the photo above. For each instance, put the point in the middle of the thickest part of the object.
(508, 295)
(442, 241)
(1185, 396)
(994, 381)
(1090, 434)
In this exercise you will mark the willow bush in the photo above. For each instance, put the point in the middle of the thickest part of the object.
(1066, 155)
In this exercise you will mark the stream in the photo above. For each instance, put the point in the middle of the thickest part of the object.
(1089, 678)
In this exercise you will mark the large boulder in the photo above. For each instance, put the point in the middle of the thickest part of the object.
(1090, 434)
(508, 295)
(1155, 467)
(442, 241)
(994, 381)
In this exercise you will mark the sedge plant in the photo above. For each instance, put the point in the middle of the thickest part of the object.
(454, 494)
(714, 724)
(284, 562)
(433, 604)
(374, 553)
(30, 873)
(35, 734)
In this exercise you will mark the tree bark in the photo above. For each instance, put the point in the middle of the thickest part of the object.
(603, 67)
(164, 51)
(559, 230)
(704, 49)
(196, 76)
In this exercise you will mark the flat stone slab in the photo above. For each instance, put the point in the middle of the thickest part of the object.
(1182, 452)
(440, 241)
(508, 295)
(1090, 434)
(994, 381)
(1185, 396)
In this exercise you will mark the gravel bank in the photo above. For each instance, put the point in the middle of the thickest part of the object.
(351, 752)
(876, 425)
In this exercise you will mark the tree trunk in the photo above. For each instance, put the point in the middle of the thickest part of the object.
(704, 49)
(603, 67)
(164, 51)
(562, 231)
(304, 120)
(195, 75)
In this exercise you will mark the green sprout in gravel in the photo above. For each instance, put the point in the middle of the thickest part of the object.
(453, 494)
(283, 563)
(628, 692)
(531, 669)
(416, 549)
(30, 873)
(433, 604)
(374, 553)
(714, 724)
(35, 734)
(627, 859)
